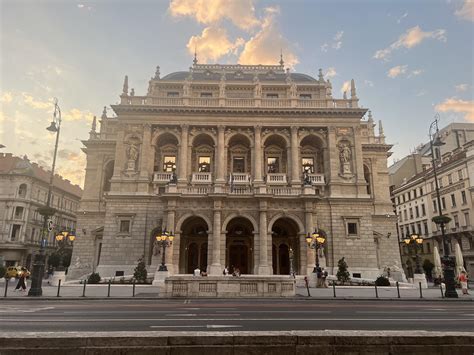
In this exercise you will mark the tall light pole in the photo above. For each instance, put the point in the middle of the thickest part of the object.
(47, 212)
(447, 261)
(165, 240)
(416, 241)
(316, 241)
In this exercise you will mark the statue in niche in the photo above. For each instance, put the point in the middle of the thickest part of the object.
(293, 91)
(132, 153)
(258, 89)
(222, 86)
(345, 156)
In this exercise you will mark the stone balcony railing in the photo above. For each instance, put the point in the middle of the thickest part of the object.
(317, 179)
(162, 177)
(201, 178)
(238, 102)
(276, 179)
(278, 191)
(239, 179)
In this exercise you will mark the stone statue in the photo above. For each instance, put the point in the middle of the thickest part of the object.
(133, 152)
(345, 156)
(132, 92)
(186, 88)
(293, 91)
(222, 86)
(258, 89)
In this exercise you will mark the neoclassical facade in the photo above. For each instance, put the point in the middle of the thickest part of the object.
(240, 162)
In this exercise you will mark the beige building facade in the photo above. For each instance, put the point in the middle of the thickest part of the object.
(240, 163)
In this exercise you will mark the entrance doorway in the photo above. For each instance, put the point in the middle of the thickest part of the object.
(239, 245)
(285, 247)
(193, 245)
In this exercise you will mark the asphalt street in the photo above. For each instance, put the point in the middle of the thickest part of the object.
(233, 315)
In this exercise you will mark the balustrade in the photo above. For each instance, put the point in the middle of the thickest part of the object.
(239, 178)
(202, 178)
(284, 191)
(276, 179)
(162, 177)
(317, 179)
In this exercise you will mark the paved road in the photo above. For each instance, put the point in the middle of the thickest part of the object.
(235, 315)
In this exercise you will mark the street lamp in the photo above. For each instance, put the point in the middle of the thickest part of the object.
(416, 241)
(165, 240)
(64, 239)
(447, 261)
(46, 212)
(316, 241)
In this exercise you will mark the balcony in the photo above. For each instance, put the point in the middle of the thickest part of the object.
(284, 191)
(162, 178)
(239, 179)
(201, 178)
(239, 190)
(276, 179)
(317, 179)
(195, 190)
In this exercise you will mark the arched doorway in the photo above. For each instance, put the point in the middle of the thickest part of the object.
(239, 245)
(285, 247)
(193, 245)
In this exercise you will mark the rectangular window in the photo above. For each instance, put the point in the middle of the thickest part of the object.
(466, 218)
(307, 165)
(417, 212)
(273, 166)
(18, 212)
(169, 164)
(432, 186)
(172, 94)
(15, 232)
(460, 176)
(418, 227)
(305, 96)
(453, 200)
(435, 206)
(423, 210)
(411, 213)
(206, 94)
(425, 226)
(421, 191)
(204, 164)
(456, 221)
(125, 226)
(352, 228)
(405, 214)
(450, 179)
(272, 96)
(238, 165)
(463, 197)
(414, 193)
(443, 203)
(440, 182)
(428, 248)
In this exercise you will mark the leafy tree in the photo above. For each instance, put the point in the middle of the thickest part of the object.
(94, 278)
(140, 273)
(342, 273)
(53, 260)
(382, 281)
(428, 267)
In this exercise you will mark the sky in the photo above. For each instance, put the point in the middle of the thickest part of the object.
(409, 59)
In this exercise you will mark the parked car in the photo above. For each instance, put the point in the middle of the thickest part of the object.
(16, 271)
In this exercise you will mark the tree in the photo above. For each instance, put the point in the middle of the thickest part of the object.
(428, 267)
(140, 273)
(342, 273)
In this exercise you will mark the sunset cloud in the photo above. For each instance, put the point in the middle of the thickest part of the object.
(240, 12)
(331, 73)
(265, 46)
(461, 87)
(77, 115)
(6, 97)
(396, 71)
(459, 106)
(346, 86)
(466, 11)
(35, 103)
(212, 44)
(411, 38)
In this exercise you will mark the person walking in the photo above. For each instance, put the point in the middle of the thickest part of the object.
(463, 281)
(21, 281)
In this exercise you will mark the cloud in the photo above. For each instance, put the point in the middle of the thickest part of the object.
(396, 71)
(265, 46)
(402, 17)
(82, 6)
(369, 83)
(324, 47)
(37, 104)
(331, 73)
(346, 86)
(411, 38)
(421, 93)
(77, 115)
(466, 11)
(460, 106)
(337, 44)
(416, 72)
(461, 87)
(240, 12)
(6, 97)
(213, 44)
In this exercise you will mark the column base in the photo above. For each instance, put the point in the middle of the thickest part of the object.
(264, 270)
(417, 278)
(215, 270)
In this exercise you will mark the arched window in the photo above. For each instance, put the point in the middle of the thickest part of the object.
(22, 190)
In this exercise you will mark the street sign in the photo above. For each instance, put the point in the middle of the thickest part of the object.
(50, 225)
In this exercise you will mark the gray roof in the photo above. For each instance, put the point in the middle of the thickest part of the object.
(239, 76)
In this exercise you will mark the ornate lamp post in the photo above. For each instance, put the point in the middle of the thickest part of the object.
(46, 212)
(316, 241)
(64, 239)
(447, 261)
(416, 241)
(165, 240)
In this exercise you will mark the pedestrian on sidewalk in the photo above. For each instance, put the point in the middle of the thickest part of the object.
(463, 281)
(21, 281)
(319, 277)
(324, 275)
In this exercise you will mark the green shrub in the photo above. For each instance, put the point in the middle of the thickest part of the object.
(3, 270)
(140, 273)
(94, 278)
(342, 273)
(382, 281)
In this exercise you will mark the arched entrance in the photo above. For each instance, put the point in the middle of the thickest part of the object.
(285, 247)
(193, 245)
(239, 245)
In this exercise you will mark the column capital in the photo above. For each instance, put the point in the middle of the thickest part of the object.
(294, 129)
(184, 127)
(257, 128)
(221, 128)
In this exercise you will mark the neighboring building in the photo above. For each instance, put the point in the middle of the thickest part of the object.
(240, 162)
(416, 205)
(23, 189)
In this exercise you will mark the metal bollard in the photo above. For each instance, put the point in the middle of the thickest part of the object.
(84, 289)
(334, 288)
(441, 289)
(108, 290)
(7, 280)
(133, 292)
(307, 286)
(421, 292)
(376, 292)
(59, 287)
(398, 289)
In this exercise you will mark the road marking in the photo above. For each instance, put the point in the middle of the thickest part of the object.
(24, 310)
(208, 326)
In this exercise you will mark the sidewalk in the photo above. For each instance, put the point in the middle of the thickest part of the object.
(72, 291)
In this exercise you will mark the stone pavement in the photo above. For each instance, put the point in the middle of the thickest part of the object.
(149, 291)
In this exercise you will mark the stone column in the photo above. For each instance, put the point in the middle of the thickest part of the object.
(263, 267)
(333, 161)
(216, 267)
(170, 226)
(295, 171)
(119, 164)
(183, 154)
(220, 155)
(311, 253)
(146, 151)
(359, 163)
(258, 155)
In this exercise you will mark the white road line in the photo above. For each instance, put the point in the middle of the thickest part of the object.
(208, 326)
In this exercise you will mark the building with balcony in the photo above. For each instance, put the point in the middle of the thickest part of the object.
(416, 204)
(240, 162)
(24, 189)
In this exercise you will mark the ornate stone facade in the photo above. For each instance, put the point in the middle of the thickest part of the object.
(240, 162)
